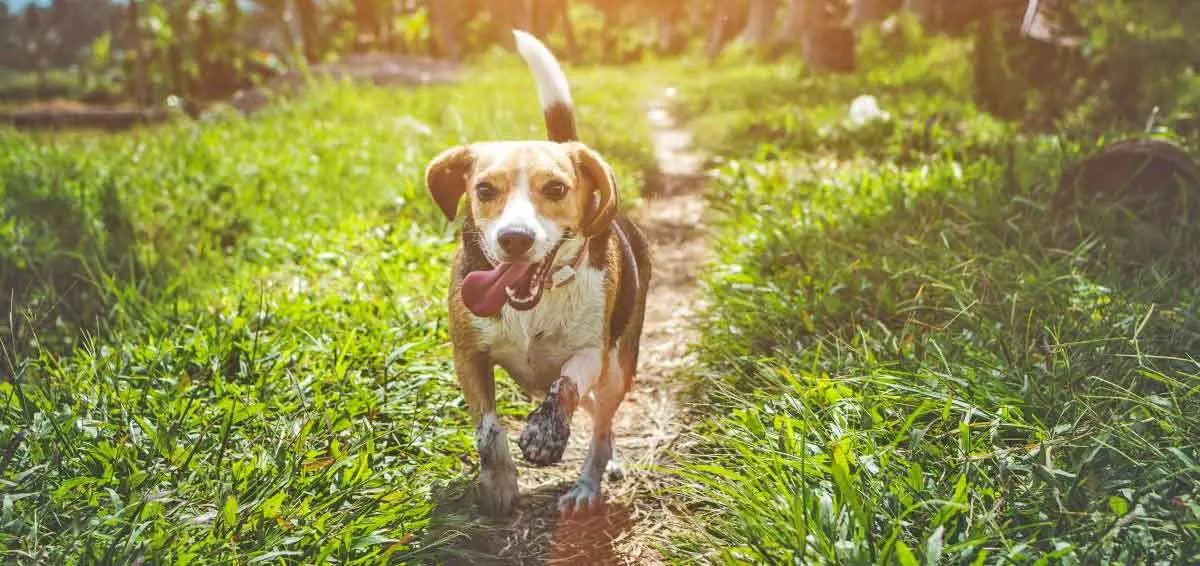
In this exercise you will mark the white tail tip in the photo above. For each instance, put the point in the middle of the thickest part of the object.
(551, 81)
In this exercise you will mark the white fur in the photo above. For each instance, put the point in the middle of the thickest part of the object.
(487, 424)
(552, 83)
(583, 368)
(569, 319)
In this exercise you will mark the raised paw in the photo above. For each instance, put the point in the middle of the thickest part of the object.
(498, 492)
(544, 439)
(582, 499)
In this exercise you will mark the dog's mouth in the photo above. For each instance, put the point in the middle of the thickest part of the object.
(519, 284)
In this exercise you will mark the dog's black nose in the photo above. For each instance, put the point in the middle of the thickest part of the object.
(515, 241)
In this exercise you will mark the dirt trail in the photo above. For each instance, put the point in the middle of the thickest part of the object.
(635, 519)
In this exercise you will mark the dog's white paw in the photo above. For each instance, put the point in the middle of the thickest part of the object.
(614, 471)
(582, 499)
(498, 492)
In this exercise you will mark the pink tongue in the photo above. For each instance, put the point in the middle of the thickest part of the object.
(483, 291)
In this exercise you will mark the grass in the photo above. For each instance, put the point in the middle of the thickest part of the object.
(909, 359)
(224, 341)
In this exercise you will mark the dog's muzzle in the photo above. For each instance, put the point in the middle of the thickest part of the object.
(519, 284)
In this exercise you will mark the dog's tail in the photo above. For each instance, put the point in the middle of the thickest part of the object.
(552, 86)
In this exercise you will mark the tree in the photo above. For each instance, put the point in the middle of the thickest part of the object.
(759, 23)
(444, 19)
(545, 13)
(799, 12)
(726, 14)
(306, 13)
(670, 15)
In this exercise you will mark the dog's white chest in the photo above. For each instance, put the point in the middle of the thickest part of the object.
(533, 345)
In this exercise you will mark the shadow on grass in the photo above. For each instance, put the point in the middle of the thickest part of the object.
(533, 535)
(64, 261)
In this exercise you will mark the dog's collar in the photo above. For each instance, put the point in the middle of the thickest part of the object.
(566, 274)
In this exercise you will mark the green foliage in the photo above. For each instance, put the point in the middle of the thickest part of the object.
(264, 374)
(908, 359)
(1143, 55)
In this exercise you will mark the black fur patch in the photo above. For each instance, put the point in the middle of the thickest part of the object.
(635, 266)
(598, 251)
(560, 123)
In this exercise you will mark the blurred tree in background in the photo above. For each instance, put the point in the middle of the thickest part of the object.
(1134, 53)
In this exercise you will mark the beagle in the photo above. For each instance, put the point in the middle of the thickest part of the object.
(549, 283)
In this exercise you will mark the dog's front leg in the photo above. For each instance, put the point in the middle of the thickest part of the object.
(545, 436)
(497, 474)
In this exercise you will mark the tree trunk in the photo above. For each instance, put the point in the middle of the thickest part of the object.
(926, 12)
(445, 26)
(137, 79)
(366, 23)
(387, 18)
(724, 14)
(179, 26)
(828, 44)
(794, 21)
(761, 19)
(229, 55)
(829, 48)
(306, 14)
(670, 15)
(508, 15)
(233, 16)
(544, 15)
(569, 31)
(608, 32)
(864, 12)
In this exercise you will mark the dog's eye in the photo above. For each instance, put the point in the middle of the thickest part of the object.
(554, 190)
(486, 192)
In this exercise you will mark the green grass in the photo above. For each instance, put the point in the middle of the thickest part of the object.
(23, 86)
(225, 341)
(907, 359)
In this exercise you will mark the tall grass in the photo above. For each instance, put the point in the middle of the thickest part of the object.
(908, 359)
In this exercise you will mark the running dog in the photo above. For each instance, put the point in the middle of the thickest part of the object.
(549, 283)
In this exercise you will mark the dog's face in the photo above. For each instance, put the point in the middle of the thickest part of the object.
(525, 197)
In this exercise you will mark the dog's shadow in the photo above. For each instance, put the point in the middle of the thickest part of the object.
(534, 534)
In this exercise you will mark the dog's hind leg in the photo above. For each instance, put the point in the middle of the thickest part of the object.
(586, 495)
(544, 439)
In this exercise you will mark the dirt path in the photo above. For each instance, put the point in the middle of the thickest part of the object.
(635, 519)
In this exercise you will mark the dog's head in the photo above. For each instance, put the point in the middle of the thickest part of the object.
(528, 201)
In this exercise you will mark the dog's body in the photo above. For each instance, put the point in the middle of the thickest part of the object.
(549, 283)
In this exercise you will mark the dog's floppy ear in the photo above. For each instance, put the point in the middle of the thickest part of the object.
(603, 205)
(446, 178)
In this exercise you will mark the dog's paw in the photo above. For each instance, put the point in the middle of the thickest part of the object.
(544, 439)
(498, 492)
(582, 499)
(614, 471)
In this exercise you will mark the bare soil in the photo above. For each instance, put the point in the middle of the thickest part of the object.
(637, 517)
